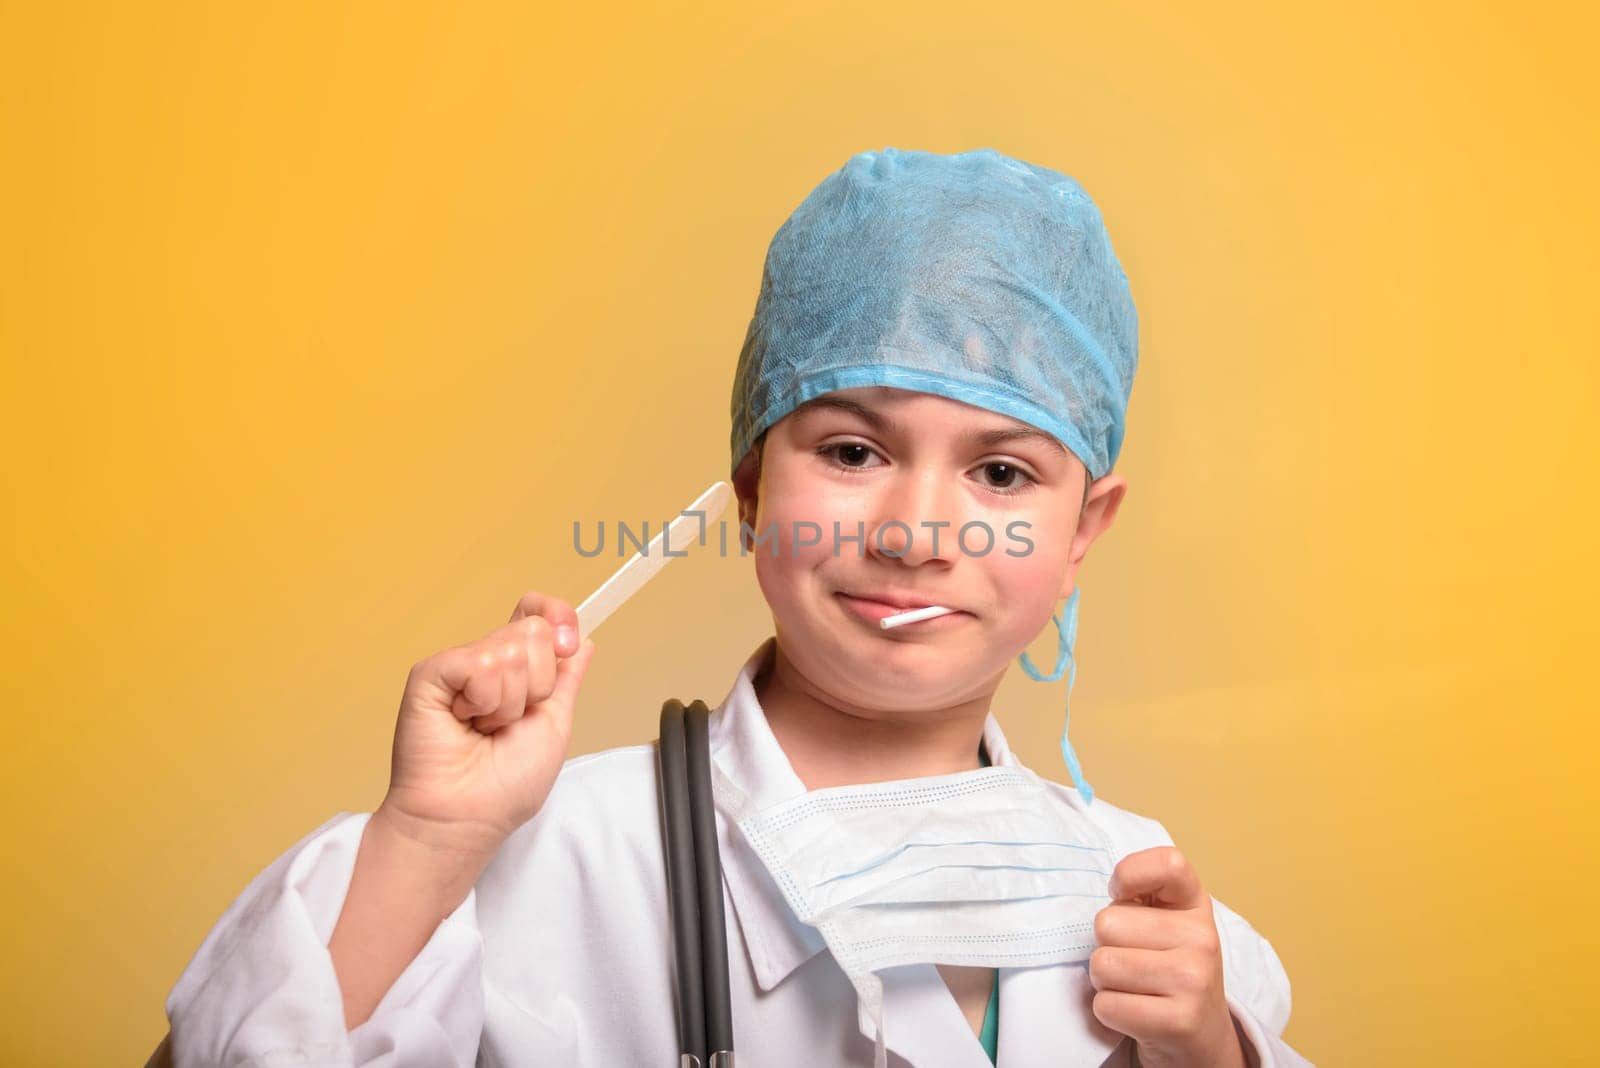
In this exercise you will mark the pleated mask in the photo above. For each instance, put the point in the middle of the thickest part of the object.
(987, 868)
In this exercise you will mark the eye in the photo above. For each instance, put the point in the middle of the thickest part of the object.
(847, 455)
(1005, 477)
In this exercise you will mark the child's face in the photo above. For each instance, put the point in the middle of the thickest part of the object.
(879, 456)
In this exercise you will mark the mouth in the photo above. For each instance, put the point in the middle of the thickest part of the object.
(876, 606)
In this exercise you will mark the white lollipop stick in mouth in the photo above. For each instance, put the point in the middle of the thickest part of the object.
(914, 616)
(671, 543)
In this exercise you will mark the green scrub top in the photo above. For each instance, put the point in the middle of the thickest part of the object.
(989, 1035)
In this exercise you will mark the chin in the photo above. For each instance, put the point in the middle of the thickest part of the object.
(887, 674)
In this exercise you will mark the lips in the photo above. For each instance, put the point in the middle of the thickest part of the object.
(880, 605)
(900, 602)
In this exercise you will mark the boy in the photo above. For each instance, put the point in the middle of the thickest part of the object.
(936, 376)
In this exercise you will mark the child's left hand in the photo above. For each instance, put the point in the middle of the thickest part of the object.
(1158, 969)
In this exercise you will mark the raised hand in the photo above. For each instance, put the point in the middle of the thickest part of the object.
(484, 728)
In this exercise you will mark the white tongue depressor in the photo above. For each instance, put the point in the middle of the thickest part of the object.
(688, 529)
(914, 616)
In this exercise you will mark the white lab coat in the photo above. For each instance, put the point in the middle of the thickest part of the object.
(562, 953)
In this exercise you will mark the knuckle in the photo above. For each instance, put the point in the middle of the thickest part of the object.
(1189, 1023)
(1102, 1006)
(1190, 976)
(542, 664)
(541, 687)
(1104, 925)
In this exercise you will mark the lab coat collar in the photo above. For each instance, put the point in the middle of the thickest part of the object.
(747, 752)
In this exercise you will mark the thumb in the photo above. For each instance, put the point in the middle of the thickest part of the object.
(563, 697)
(570, 671)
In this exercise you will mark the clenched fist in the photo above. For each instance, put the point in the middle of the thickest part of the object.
(484, 727)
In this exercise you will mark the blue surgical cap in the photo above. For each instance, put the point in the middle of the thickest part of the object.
(973, 276)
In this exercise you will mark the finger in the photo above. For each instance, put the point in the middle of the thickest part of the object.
(528, 666)
(1139, 1016)
(561, 616)
(552, 717)
(570, 673)
(472, 674)
(1164, 972)
(513, 688)
(538, 641)
(1140, 927)
(1160, 876)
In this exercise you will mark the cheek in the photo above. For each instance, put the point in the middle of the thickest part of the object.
(796, 519)
(778, 576)
(802, 510)
(1028, 586)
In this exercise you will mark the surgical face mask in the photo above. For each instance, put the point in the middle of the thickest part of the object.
(988, 868)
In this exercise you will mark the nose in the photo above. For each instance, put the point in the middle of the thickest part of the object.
(916, 517)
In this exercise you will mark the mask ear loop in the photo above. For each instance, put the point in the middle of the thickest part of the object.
(1065, 662)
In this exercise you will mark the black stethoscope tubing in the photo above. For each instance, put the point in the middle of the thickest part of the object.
(694, 888)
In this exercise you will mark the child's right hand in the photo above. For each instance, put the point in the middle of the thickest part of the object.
(484, 728)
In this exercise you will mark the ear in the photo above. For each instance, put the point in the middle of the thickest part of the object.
(1099, 511)
(747, 485)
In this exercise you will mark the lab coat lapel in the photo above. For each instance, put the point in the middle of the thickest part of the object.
(1054, 1025)
(746, 752)
(1051, 1019)
(922, 1022)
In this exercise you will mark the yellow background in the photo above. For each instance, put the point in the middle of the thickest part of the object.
(323, 323)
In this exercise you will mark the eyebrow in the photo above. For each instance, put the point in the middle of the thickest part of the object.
(883, 424)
